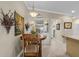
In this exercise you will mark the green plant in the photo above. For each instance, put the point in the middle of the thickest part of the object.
(33, 32)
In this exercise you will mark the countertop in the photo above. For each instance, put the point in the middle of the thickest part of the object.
(75, 37)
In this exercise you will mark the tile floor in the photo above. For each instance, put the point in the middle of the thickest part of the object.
(46, 52)
(55, 49)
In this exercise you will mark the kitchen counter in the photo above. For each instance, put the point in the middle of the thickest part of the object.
(75, 37)
(72, 45)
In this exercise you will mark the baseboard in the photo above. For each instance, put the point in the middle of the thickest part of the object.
(19, 55)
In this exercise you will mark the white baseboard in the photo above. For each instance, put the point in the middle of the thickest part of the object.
(19, 55)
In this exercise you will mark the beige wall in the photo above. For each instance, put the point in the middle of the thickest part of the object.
(8, 42)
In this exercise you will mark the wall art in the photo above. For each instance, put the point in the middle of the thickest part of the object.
(19, 24)
(58, 26)
(67, 25)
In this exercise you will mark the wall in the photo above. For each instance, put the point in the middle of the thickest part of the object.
(9, 44)
(58, 46)
(67, 31)
(75, 26)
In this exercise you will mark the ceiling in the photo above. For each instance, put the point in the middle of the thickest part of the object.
(62, 7)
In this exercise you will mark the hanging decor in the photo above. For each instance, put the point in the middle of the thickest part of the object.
(7, 20)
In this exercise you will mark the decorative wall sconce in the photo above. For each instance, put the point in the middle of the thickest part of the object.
(27, 26)
(7, 20)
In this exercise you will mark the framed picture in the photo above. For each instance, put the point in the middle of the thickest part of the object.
(58, 26)
(67, 25)
(19, 24)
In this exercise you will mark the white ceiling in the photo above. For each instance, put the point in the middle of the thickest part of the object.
(64, 7)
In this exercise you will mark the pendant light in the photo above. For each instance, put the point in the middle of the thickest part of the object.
(33, 13)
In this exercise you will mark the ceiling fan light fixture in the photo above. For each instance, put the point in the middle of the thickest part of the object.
(33, 13)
